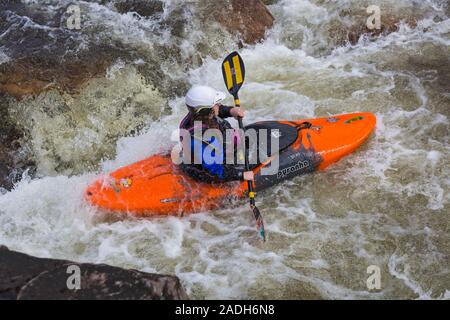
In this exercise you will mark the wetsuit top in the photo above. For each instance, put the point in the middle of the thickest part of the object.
(218, 171)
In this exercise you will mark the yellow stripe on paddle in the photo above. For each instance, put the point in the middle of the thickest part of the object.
(229, 76)
(238, 70)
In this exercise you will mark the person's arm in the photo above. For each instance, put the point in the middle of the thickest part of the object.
(228, 112)
(224, 172)
(225, 112)
(231, 173)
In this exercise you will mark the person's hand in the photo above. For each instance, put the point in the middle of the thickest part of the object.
(249, 176)
(237, 113)
(216, 109)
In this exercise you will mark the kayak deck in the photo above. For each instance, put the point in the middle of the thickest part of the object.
(156, 186)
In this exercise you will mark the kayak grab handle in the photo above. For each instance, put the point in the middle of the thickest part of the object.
(303, 126)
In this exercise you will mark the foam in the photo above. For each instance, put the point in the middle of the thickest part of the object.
(383, 205)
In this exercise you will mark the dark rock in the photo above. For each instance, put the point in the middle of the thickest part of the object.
(42, 54)
(44, 60)
(17, 269)
(250, 19)
(65, 59)
(27, 278)
(144, 8)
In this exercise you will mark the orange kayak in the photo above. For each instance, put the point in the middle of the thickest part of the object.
(156, 186)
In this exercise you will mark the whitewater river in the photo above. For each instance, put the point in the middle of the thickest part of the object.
(387, 205)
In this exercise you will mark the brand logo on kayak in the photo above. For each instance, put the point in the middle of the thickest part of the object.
(293, 169)
(359, 118)
(126, 182)
(276, 134)
(170, 200)
(296, 155)
(332, 120)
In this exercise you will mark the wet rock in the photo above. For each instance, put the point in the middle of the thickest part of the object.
(47, 57)
(26, 278)
(144, 8)
(249, 19)
(55, 71)
(17, 269)
(44, 54)
(33, 75)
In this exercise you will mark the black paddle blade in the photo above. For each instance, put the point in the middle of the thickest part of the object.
(259, 223)
(233, 71)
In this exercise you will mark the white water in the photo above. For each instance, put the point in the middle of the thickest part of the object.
(385, 205)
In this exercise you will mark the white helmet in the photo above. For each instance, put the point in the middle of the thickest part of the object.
(202, 96)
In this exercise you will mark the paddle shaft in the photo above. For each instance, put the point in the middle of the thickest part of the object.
(233, 71)
(251, 193)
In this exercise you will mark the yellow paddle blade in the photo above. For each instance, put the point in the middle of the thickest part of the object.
(228, 76)
(233, 71)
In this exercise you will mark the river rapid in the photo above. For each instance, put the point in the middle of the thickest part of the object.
(386, 205)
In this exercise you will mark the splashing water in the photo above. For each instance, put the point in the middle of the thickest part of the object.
(386, 205)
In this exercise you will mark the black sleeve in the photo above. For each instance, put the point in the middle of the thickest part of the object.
(198, 173)
(231, 173)
(224, 112)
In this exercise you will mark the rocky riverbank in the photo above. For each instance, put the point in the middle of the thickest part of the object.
(24, 277)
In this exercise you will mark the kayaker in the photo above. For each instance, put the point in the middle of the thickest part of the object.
(204, 107)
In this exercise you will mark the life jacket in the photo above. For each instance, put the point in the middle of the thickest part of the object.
(188, 124)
